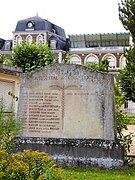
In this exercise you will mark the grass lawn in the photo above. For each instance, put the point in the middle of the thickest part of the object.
(96, 174)
(131, 119)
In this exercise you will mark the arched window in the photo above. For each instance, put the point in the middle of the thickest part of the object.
(29, 38)
(122, 61)
(53, 43)
(18, 39)
(91, 58)
(111, 59)
(75, 59)
(39, 39)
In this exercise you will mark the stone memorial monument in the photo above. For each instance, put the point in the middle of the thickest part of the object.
(68, 112)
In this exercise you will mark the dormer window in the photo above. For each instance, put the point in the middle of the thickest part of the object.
(30, 26)
(53, 44)
(7, 46)
(53, 30)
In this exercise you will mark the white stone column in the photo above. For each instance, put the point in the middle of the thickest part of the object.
(60, 57)
(45, 38)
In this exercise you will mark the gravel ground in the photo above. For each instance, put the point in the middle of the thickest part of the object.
(131, 129)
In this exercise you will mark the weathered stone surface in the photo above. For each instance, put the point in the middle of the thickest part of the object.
(69, 113)
(67, 101)
(10, 70)
(77, 152)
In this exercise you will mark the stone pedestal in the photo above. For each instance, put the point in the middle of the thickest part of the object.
(82, 153)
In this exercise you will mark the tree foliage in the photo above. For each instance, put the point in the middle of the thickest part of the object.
(9, 128)
(2, 58)
(127, 75)
(101, 66)
(121, 120)
(127, 16)
(31, 56)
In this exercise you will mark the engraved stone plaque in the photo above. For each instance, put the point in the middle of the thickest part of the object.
(67, 101)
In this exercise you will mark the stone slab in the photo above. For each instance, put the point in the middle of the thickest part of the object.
(67, 101)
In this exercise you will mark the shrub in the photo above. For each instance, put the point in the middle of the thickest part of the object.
(28, 165)
(121, 121)
(9, 128)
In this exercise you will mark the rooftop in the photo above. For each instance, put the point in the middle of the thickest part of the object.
(99, 40)
(37, 23)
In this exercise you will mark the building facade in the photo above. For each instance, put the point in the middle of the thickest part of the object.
(95, 47)
(9, 82)
(35, 30)
(82, 48)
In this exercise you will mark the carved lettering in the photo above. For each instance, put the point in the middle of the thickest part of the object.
(43, 114)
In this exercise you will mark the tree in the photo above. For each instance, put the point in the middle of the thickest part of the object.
(2, 58)
(31, 56)
(122, 120)
(127, 75)
(127, 16)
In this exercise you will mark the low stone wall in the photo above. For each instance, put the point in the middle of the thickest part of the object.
(77, 152)
(10, 70)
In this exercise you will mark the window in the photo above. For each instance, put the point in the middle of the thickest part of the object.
(18, 39)
(53, 44)
(112, 60)
(77, 44)
(7, 46)
(75, 59)
(126, 105)
(122, 62)
(30, 26)
(39, 39)
(29, 38)
(5, 87)
(53, 30)
(91, 58)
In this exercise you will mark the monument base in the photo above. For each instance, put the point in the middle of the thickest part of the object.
(77, 152)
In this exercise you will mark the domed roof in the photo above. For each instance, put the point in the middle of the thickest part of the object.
(37, 23)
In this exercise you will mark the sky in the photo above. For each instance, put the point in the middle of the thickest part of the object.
(75, 16)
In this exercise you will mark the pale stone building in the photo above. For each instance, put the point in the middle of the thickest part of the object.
(9, 82)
